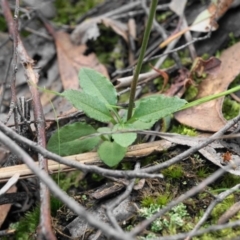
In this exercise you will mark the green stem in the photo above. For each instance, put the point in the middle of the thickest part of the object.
(141, 56)
(117, 116)
(209, 98)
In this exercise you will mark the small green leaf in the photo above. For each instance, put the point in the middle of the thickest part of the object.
(89, 104)
(94, 83)
(123, 139)
(151, 109)
(139, 125)
(66, 141)
(111, 153)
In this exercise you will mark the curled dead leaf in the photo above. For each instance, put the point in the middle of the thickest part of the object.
(89, 29)
(208, 116)
(180, 83)
(71, 59)
(210, 66)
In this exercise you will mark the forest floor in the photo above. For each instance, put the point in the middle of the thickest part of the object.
(178, 179)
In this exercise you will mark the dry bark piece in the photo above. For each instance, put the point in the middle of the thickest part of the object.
(208, 116)
(123, 212)
(4, 153)
(107, 190)
(134, 151)
(233, 210)
(4, 209)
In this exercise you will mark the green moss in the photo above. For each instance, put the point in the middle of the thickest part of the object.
(222, 207)
(158, 82)
(169, 62)
(191, 93)
(173, 172)
(228, 181)
(202, 172)
(107, 47)
(68, 12)
(216, 213)
(96, 177)
(3, 25)
(149, 160)
(126, 165)
(230, 108)
(163, 16)
(26, 227)
(147, 201)
(235, 82)
(232, 39)
(205, 56)
(161, 199)
(175, 219)
(66, 180)
(183, 130)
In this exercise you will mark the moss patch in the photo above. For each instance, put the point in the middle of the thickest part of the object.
(68, 12)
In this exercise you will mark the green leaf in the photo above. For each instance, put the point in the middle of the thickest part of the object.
(154, 108)
(111, 153)
(105, 130)
(89, 104)
(94, 83)
(123, 139)
(139, 125)
(66, 141)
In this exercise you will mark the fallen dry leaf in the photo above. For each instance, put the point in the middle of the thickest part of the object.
(210, 66)
(206, 20)
(89, 29)
(71, 59)
(178, 6)
(163, 74)
(208, 116)
(179, 84)
(209, 152)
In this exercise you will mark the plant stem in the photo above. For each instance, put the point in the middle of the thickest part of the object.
(141, 56)
(210, 98)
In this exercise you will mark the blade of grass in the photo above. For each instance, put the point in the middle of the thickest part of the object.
(141, 57)
(209, 98)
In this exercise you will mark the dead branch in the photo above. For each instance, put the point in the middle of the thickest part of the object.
(72, 204)
(32, 79)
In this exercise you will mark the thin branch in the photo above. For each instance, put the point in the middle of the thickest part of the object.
(202, 231)
(139, 228)
(218, 199)
(85, 168)
(73, 205)
(192, 149)
(32, 80)
(119, 200)
(143, 225)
